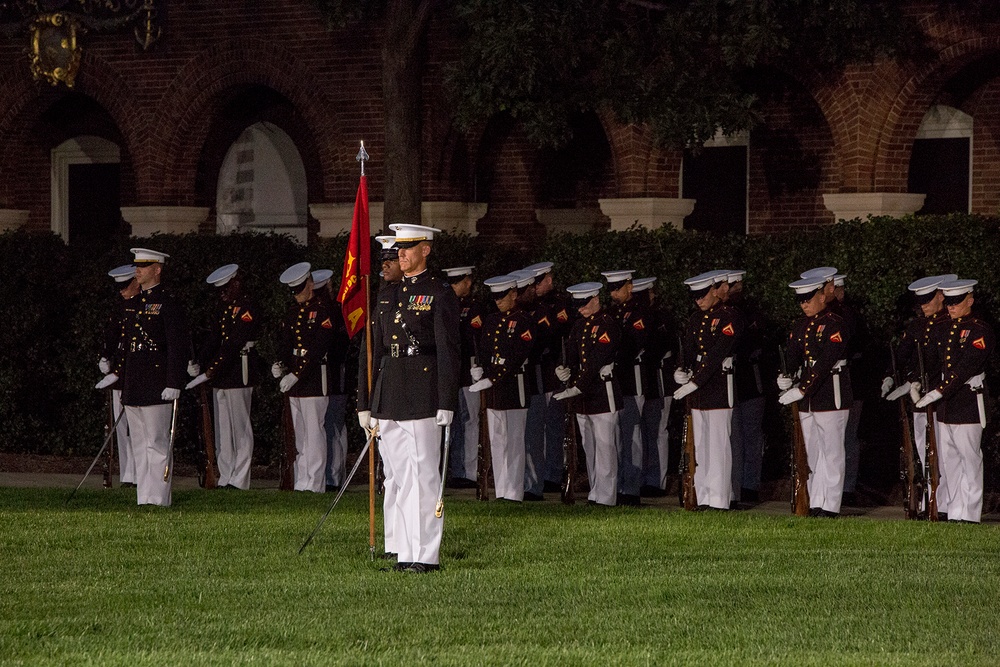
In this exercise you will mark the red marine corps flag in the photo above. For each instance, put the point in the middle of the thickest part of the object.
(357, 263)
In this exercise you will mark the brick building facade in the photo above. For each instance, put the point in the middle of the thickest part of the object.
(248, 114)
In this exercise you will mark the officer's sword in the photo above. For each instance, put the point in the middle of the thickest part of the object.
(372, 434)
(170, 453)
(97, 458)
(439, 508)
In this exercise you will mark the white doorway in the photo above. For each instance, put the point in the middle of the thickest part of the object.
(79, 151)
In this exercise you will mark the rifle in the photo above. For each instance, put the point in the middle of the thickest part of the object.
(907, 462)
(800, 461)
(286, 473)
(931, 473)
(689, 495)
(109, 429)
(485, 462)
(568, 490)
(210, 478)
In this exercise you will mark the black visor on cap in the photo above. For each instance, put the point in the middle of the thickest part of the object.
(454, 280)
(409, 244)
(807, 296)
(297, 289)
(957, 299)
(698, 294)
(389, 256)
(617, 285)
(921, 299)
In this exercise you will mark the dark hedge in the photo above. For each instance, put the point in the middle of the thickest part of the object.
(55, 299)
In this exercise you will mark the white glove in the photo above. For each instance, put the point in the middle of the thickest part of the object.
(106, 381)
(194, 368)
(485, 383)
(104, 366)
(197, 381)
(682, 376)
(932, 395)
(170, 394)
(568, 393)
(784, 382)
(365, 419)
(887, 385)
(477, 373)
(444, 417)
(563, 373)
(288, 382)
(278, 369)
(685, 389)
(607, 370)
(902, 390)
(790, 396)
(915, 391)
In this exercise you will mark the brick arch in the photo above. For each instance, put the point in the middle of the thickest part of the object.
(892, 151)
(188, 104)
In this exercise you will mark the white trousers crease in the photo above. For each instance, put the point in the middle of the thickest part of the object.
(507, 447)
(962, 460)
(149, 426)
(599, 437)
(308, 417)
(824, 433)
(233, 435)
(713, 454)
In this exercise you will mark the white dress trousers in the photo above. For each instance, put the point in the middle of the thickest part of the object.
(599, 437)
(390, 495)
(414, 447)
(713, 455)
(962, 462)
(233, 436)
(824, 433)
(149, 426)
(507, 448)
(126, 464)
(308, 416)
(920, 438)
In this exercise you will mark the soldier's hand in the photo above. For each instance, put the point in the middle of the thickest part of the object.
(903, 390)
(170, 394)
(365, 419)
(569, 393)
(104, 366)
(278, 369)
(887, 385)
(915, 391)
(194, 369)
(784, 382)
(790, 396)
(682, 376)
(684, 390)
(288, 382)
(106, 381)
(485, 383)
(444, 417)
(477, 373)
(932, 395)
(197, 381)
(563, 373)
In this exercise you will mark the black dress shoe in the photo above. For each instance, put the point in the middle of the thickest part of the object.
(387, 555)
(942, 516)
(628, 500)
(422, 568)
(461, 483)
(826, 514)
(749, 496)
(551, 487)
(533, 497)
(330, 488)
(398, 567)
(814, 511)
(650, 491)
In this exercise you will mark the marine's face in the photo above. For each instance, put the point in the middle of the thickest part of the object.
(414, 260)
(391, 273)
(961, 309)
(814, 305)
(147, 275)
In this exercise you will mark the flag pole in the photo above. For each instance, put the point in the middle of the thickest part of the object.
(362, 156)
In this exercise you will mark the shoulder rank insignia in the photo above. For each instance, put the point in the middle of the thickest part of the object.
(979, 343)
(728, 330)
(638, 325)
(246, 317)
(477, 322)
(526, 336)
(836, 338)
(562, 316)
(545, 321)
(605, 338)
(327, 324)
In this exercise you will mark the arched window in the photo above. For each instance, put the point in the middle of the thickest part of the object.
(86, 189)
(941, 161)
(262, 185)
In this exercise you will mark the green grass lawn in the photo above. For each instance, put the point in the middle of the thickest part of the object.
(215, 579)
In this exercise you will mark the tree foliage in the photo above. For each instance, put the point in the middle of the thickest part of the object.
(683, 67)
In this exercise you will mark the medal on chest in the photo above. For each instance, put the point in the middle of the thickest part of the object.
(420, 302)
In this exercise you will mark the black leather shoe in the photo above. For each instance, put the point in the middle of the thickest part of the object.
(551, 487)
(649, 491)
(461, 483)
(422, 568)
(628, 500)
(814, 511)
(826, 514)
(330, 488)
(387, 555)
(533, 497)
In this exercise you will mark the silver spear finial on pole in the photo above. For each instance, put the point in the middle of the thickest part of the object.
(362, 156)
